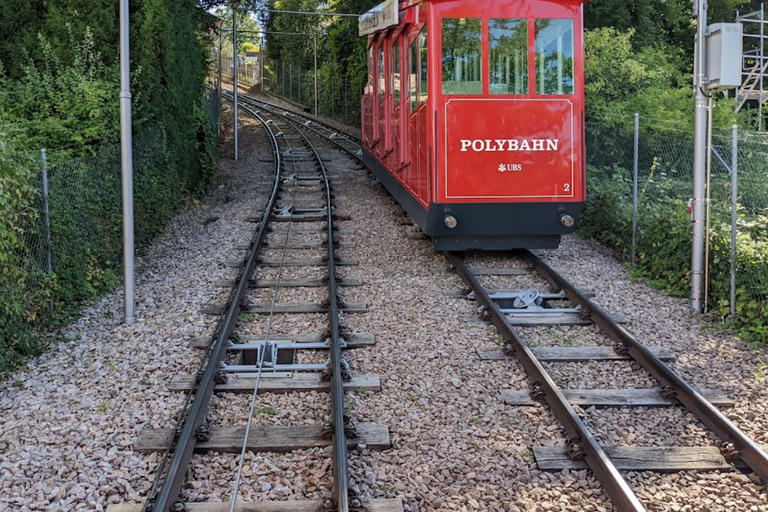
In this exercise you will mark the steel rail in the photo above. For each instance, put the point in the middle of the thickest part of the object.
(736, 444)
(346, 136)
(580, 439)
(340, 452)
(183, 446)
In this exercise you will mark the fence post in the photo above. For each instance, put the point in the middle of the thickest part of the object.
(46, 211)
(734, 214)
(634, 187)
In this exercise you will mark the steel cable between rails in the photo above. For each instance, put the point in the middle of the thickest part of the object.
(162, 475)
(260, 362)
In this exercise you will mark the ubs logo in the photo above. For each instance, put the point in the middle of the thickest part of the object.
(510, 167)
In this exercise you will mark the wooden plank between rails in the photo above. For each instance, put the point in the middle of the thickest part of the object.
(378, 505)
(642, 458)
(298, 382)
(264, 439)
(354, 340)
(614, 397)
(575, 354)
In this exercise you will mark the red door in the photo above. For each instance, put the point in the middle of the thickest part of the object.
(381, 98)
(397, 111)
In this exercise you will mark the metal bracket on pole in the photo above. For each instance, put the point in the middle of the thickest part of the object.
(126, 151)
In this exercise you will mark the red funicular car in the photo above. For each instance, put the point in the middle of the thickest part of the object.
(473, 117)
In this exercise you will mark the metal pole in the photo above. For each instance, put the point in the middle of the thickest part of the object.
(290, 81)
(315, 51)
(699, 164)
(760, 67)
(234, 63)
(218, 119)
(126, 154)
(282, 90)
(46, 211)
(634, 186)
(263, 56)
(734, 214)
(706, 225)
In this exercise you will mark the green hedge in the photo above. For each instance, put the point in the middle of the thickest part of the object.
(59, 79)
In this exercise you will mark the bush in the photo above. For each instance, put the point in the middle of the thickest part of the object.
(664, 247)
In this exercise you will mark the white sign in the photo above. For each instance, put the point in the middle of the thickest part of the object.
(488, 145)
(380, 17)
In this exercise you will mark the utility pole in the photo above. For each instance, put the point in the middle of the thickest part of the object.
(699, 159)
(316, 102)
(234, 66)
(218, 112)
(263, 55)
(126, 154)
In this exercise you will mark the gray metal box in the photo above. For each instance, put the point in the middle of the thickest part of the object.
(724, 47)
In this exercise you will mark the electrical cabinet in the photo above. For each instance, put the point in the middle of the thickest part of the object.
(724, 47)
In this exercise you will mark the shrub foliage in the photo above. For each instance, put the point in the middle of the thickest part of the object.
(59, 83)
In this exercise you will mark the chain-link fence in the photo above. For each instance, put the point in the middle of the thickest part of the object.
(248, 71)
(338, 97)
(640, 189)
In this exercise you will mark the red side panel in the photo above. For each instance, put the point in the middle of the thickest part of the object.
(510, 149)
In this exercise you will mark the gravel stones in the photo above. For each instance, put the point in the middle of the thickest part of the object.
(67, 421)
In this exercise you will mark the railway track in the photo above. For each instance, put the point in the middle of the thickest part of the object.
(538, 307)
(301, 193)
(583, 450)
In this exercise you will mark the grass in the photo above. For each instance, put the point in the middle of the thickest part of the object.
(18, 383)
(101, 408)
(411, 397)
(364, 392)
(271, 411)
(247, 317)
(475, 420)
(527, 455)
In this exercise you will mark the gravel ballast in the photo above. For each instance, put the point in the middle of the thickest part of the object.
(67, 421)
